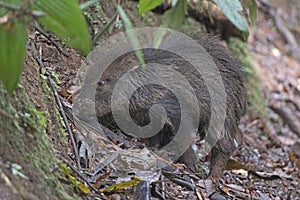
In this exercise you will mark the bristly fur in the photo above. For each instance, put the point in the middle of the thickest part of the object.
(145, 97)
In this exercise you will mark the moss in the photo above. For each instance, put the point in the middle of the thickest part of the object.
(24, 141)
(55, 119)
(257, 104)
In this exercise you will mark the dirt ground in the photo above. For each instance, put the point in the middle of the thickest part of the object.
(267, 165)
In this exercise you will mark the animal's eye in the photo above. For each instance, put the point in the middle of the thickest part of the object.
(100, 83)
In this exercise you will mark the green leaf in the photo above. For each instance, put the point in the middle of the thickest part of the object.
(13, 38)
(146, 5)
(231, 9)
(252, 7)
(159, 36)
(174, 17)
(66, 20)
(253, 12)
(132, 35)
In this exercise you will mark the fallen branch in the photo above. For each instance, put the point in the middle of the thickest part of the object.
(38, 59)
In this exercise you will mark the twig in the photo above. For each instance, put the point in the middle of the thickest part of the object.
(183, 183)
(287, 116)
(98, 35)
(163, 193)
(271, 132)
(48, 36)
(95, 175)
(57, 99)
(281, 27)
(289, 37)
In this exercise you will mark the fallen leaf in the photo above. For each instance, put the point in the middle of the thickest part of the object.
(123, 185)
(241, 173)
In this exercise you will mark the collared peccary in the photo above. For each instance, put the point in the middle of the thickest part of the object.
(144, 97)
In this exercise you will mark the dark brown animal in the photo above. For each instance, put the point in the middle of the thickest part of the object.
(146, 96)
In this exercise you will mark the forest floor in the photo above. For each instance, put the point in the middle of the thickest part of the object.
(267, 165)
